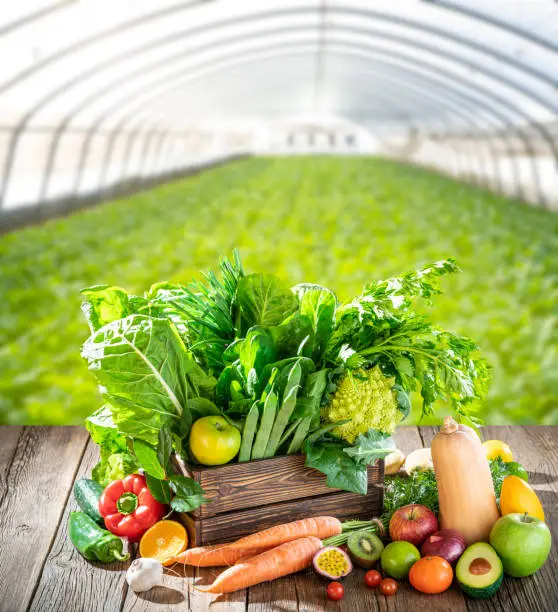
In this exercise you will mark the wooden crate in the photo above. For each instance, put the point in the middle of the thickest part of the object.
(249, 497)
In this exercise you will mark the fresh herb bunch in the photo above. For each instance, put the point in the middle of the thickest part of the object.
(381, 327)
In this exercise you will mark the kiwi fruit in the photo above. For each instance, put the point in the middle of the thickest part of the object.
(364, 548)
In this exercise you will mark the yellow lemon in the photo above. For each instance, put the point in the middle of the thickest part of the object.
(497, 448)
(518, 496)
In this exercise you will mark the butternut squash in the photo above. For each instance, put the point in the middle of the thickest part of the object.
(465, 487)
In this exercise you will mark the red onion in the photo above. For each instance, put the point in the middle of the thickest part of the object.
(446, 543)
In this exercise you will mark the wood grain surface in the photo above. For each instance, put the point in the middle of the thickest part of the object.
(41, 571)
(268, 481)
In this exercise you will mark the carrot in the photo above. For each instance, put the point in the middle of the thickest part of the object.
(228, 554)
(285, 559)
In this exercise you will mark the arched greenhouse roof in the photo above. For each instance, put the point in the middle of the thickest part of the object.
(79, 72)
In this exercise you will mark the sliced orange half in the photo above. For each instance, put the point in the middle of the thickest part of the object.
(164, 541)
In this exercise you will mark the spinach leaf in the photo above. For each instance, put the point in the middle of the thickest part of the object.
(160, 489)
(189, 494)
(264, 299)
(291, 335)
(104, 304)
(317, 305)
(256, 350)
(328, 456)
(145, 373)
(148, 459)
(370, 446)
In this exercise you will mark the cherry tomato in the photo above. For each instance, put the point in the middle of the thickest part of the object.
(388, 586)
(335, 591)
(431, 575)
(372, 579)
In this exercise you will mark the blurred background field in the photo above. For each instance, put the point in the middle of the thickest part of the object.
(338, 221)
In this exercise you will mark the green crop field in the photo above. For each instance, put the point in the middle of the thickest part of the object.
(336, 221)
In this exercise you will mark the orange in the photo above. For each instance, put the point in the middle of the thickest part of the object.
(163, 541)
(431, 575)
(518, 496)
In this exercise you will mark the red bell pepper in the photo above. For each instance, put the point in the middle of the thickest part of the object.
(128, 507)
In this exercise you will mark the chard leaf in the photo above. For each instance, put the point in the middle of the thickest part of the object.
(264, 299)
(145, 373)
(104, 304)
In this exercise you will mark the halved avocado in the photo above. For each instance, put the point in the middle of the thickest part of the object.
(479, 571)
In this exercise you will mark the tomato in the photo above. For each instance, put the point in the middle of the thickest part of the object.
(372, 579)
(335, 591)
(431, 575)
(388, 586)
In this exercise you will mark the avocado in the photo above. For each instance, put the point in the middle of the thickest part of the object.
(479, 571)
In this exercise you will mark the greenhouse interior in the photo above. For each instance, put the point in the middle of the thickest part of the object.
(335, 143)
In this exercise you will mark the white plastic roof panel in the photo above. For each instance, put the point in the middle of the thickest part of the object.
(76, 67)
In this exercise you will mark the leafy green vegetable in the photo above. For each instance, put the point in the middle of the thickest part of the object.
(189, 494)
(148, 459)
(160, 489)
(317, 305)
(256, 350)
(203, 312)
(145, 373)
(104, 304)
(329, 457)
(104, 432)
(381, 326)
(114, 467)
(264, 299)
(370, 446)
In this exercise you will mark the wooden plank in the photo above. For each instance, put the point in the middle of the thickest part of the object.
(537, 449)
(9, 437)
(257, 483)
(177, 594)
(344, 506)
(68, 581)
(37, 481)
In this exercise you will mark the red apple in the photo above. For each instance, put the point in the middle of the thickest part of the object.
(412, 523)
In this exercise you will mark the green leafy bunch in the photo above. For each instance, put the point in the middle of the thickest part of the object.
(381, 327)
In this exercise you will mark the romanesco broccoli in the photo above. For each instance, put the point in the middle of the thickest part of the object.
(368, 399)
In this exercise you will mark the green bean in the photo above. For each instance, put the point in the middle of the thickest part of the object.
(299, 436)
(287, 408)
(266, 423)
(248, 433)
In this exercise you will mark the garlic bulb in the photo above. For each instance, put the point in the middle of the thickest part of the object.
(143, 574)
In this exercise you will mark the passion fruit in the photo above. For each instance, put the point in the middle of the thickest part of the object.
(332, 563)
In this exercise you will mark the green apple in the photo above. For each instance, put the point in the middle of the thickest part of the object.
(213, 440)
(522, 542)
(398, 557)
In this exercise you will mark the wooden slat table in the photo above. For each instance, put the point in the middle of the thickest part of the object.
(41, 571)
